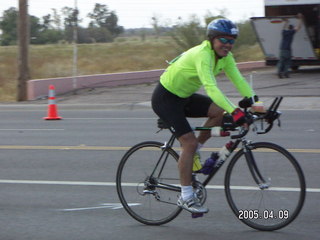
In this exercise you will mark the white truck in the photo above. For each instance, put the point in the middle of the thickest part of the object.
(306, 42)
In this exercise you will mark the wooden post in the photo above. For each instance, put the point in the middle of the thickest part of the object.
(23, 40)
(75, 49)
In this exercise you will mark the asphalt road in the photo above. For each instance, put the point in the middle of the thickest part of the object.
(57, 178)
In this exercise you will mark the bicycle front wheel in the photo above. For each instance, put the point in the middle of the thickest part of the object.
(148, 183)
(265, 187)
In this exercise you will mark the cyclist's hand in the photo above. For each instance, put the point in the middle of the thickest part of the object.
(247, 102)
(239, 117)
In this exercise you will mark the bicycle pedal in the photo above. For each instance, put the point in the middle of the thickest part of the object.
(196, 215)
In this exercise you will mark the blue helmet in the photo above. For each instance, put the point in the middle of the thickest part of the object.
(222, 27)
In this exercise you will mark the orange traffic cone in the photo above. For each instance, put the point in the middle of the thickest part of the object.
(52, 107)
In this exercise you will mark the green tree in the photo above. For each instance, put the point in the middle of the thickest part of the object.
(70, 16)
(41, 32)
(47, 32)
(56, 19)
(70, 21)
(47, 20)
(105, 19)
(35, 29)
(8, 25)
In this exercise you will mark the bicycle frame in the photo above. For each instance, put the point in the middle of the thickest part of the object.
(166, 145)
(163, 159)
(270, 116)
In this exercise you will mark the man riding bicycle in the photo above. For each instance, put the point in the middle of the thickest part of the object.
(175, 99)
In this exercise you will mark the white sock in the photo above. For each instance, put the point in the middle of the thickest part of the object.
(186, 192)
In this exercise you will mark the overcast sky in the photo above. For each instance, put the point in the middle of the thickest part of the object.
(138, 13)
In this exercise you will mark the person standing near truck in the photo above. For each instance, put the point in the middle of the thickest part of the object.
(285, 47)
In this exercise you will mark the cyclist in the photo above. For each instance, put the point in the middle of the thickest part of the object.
(175, 98)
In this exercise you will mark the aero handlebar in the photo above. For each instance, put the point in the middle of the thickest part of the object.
(269, 117)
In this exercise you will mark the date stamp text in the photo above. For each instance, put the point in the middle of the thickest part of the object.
(265, 214)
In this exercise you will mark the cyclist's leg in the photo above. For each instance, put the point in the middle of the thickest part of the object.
(189, 145)
(171, 109)
(202, 106)
(188, 199)
(215, 115)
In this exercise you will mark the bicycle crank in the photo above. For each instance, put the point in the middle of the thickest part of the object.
(200, 191)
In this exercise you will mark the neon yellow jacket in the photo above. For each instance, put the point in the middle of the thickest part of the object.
(197, 67)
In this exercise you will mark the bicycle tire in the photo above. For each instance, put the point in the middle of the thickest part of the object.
(282, 198)
(148, 205)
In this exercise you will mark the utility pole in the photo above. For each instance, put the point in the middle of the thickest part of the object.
(23, 40)
(75, 48)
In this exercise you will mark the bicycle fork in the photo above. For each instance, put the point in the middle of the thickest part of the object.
(252, 165)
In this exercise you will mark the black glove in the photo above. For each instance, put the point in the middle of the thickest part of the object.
(247, 102)
(227, 122)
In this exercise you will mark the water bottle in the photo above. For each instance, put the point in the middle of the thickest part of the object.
(223, 154)
(209, 164)
(216, 159)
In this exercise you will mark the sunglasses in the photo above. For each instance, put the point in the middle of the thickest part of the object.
(225, 40)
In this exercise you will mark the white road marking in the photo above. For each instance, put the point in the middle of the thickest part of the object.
(31, 129)
(113, 184)
(44, 182)
(112, 206)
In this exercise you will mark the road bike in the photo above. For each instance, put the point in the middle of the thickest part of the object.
(264, 184)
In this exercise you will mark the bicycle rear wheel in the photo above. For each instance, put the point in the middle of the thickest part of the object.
(278, 199)
(148, 183)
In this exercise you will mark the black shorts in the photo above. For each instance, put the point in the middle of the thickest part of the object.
(174, 110)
